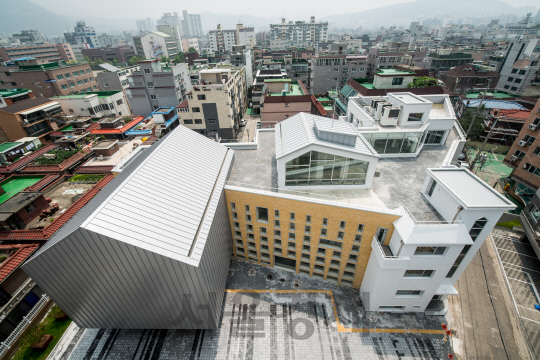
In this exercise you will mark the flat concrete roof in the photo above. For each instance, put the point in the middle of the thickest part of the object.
(470, 189)
(398, 181)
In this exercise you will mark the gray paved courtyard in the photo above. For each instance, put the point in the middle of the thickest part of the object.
(286, 316)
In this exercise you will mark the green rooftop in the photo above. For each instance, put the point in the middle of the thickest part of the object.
(67, 128)
(495, 94)
(396, 72)
(100, 94)
(8, 145)
(7, 93)
(15, 185)
(368, 85)
(294, 89)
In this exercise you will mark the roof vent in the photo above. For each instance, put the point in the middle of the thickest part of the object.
(336, 131)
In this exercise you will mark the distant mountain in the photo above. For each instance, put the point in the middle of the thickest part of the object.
(228, 21)
(23, 14)
(403, 14)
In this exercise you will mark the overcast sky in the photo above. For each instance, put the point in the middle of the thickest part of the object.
(155, 8)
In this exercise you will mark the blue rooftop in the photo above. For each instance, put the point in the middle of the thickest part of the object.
(495, 104)
(23, 58)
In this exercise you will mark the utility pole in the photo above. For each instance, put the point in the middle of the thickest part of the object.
(476, 113)
(483, 144)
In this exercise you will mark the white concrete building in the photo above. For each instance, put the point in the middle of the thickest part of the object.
(111, 80)
(95, 104)
(154, 45)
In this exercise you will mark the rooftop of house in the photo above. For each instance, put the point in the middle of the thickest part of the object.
(121, 129)
(398, 181)
(394, 72)
(49, 66)
(15, 256)
(116, 158)
(14, 185)
(493, 104)
(8, 145)
(521, 115)
(99, 94)
(492, 94)
(8, 93)
(27, 104)
(16, 203)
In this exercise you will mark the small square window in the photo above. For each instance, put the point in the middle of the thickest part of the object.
(277, 233)
(262, 214)
(340, 235)
(276, 214)
(307, 239)
(239, 242)
(324, 222)
(251, 245)
(355, 248)
(292, 236)
(249, 227)
(307, 229)
(334, 262)
(235, 216)
(321, 251)
(247, 208)
(319, 268)
(248, 218)
(238, 234)
(277, 242)
(292, 216)
(264, 247)
(336, 255)
(306, 248)
(319, 259)
(250, 237)
(277, 251)
(291, 245)
(304, 264)
(357, 239)
(323, 232)
(233, 206)
(276, 223)
(305, 257)
(353, 257)
(292, 226)
(253, 252)
(236, 225)
(263, 230)
(264, 240)
(291, 253)
(360, 228)
(308, 219)
(350, 266)
(342, 225)
(240, 250)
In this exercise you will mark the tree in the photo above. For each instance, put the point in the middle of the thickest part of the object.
(423, 81)
(164, 59)
(179, 57)
(477, 128)
(191, 50)
(133, 60)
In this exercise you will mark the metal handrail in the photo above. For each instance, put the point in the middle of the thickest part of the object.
(382, 250)
(18, 295)
(26, 320)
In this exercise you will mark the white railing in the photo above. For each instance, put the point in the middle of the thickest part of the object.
(392, 257)
(437, 222)
(26, 320)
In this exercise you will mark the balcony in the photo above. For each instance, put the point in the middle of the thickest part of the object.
(39, 132)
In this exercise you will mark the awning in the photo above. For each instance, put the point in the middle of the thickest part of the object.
(42, 107)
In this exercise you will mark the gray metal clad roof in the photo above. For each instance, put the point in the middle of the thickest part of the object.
(298, 132)
(162, 206)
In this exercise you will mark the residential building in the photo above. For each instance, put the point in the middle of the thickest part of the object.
(12, 96)
(157, 85)
(197, 261)
(529, 218)
(245, 36)
(469, 77)
(188, 43)
(217, 104)
(120, 127)
(520, 66)
(284, 98)
(222, 40)
(297, 34)
(524, 158)
(32, 117)
(298, 69)
(84, 36)
(121, 54)
(332, 72)
(51, 79)
(339, 226)
(393, 54)
(95, 104)
(506, 125)
(445, 59)
(242, 56)
(268, 70)
(115, 79)
(155, 45)
(30, 37)
(174, 43)
(191, 25)
(42, 53)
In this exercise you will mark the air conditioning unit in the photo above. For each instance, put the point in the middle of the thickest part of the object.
(513, 158)
(522, 143)
(374, 102)
(390, 115)
(380, 107)
(532, 127)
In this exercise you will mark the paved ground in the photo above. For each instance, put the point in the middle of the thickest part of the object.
(286, 316)
(249, 129)
(522, 271)
(481, 314)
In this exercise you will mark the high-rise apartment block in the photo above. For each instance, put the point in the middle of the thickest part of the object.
(191, 25)
(223, 40)
(297, 34)
(157, 44)
(520, 65)
(332, 72)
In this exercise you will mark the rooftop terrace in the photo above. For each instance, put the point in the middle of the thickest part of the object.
(15, 185)
(394, 72)
(397, 182)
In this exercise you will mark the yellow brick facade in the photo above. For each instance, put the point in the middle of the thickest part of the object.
(264, 250)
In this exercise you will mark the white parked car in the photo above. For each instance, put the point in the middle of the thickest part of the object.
(243, 122)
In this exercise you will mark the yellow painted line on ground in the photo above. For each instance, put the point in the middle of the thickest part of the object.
(340, 327)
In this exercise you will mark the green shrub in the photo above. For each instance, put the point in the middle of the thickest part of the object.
(2, 258)
(86, 177)
(57, 312)
(61, 155)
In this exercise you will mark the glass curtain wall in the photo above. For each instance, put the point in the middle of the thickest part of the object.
(317, 168)
(394, 142)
